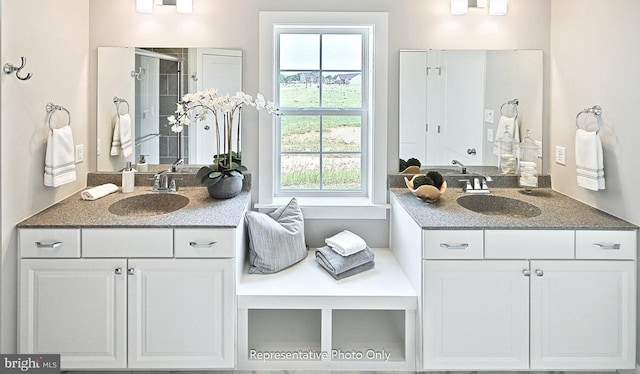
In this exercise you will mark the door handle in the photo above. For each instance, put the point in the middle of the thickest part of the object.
(471, 151)
(526, 272)
(131, 271)
(539, 272)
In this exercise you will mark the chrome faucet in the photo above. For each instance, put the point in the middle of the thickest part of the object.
(162, 182)
(477, 185)
(178, 162)
(464, 168)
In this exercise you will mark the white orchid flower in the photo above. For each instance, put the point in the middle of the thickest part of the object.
(176, 128)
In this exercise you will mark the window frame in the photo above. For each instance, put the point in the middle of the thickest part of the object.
(375, 204)
(320, 111)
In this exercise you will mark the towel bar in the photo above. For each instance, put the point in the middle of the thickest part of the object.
(596, 110)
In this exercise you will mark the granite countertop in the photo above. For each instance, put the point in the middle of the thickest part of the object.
(202, 211)
(558, 212)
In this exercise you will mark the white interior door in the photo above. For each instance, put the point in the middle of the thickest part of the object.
(148, 109)
(463, 84)
(476, 315)
(76, 308)
(181, 314)
(220, 69)
(583, 315)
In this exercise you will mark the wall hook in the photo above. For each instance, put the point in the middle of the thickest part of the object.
(139, 75)
(9, 68)
(194, 76)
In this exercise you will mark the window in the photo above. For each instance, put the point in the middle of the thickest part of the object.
(328, 74)
(323, 94)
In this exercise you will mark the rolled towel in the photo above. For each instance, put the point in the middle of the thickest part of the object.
(337, 264)
(98, 191)
(358, 269)
(346, 243)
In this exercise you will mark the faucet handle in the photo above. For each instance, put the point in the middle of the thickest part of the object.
(467, 186)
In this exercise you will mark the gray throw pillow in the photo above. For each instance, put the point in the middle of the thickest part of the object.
(276, 240)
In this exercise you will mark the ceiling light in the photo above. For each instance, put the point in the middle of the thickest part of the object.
(144, 6)
(498, 7)
(184, 6)
(459, 7)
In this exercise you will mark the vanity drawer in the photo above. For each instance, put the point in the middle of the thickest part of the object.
(615, 244)
(452, 244)
(210, 243)
(127, 243)
(529, 244)
(57, 243)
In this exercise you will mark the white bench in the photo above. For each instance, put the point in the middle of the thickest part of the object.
(303, 319)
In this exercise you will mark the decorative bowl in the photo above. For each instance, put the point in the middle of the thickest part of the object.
(411, 170)
(425, 192)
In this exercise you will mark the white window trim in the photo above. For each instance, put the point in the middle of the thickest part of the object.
(334, 207)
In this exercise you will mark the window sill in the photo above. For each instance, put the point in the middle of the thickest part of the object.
(332, 207)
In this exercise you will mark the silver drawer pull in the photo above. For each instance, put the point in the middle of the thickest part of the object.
(54, 245)
(454, 246)
(611, 247)
(203, 246)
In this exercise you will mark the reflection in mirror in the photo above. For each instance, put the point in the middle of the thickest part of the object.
(149, 82)
(452, 101)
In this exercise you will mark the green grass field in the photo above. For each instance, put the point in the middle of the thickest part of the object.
(302, 134)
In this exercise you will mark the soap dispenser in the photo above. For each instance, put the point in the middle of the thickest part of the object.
(128, 178)
(142, 166)
(528, 165)
(508, 163)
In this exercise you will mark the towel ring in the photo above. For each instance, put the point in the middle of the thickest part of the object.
(514, 102)
(117, 101)
(51, 108)
(596, 110)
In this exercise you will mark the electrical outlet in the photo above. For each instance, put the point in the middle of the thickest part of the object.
(488, 116)
(490, 135)
(539, 144)
(561, 153)
(79, 153)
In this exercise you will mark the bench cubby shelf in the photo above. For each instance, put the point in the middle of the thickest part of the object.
(303, 319)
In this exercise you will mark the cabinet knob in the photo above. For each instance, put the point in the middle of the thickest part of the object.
(131, 271)
(526, 272)
(539, 272)
(118, 271)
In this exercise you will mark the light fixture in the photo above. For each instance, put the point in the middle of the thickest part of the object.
(498, 7)
(144, 6)
(184, 6)
(459, 7)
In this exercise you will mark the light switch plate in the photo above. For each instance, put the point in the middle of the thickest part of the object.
(539, 144)
(79, 153)
(490, 135)
(488, 115)
(561, 153)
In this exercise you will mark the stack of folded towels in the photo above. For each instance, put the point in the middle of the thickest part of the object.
(346, 254)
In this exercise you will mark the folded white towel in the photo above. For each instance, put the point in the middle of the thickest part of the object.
(59, 163)
(99, 191)
(122, 138)
(503, 122)
(346, 243)
(589, 160)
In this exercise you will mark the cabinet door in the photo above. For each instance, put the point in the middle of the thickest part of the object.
(583, 315)
(476, 315)
(181, 313)
(76, 308)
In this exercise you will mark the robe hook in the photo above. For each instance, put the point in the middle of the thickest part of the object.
(9, 68)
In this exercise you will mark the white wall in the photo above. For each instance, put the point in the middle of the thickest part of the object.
(223, 24)
(53, 35)
(595, 59)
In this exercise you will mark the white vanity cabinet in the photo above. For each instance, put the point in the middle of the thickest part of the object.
(105, 311)
(521, 299)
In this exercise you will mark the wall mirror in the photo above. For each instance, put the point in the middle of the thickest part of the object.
(451, 103)
(144, 84)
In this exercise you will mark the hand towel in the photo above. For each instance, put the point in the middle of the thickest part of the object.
(589, 160)
(337, 264)
(346, 243)
(99, 191)
(356, 270)
(122, 136)
(59, 163)
(503, 122)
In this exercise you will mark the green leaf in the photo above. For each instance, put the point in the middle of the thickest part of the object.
(236, 174)
(242, 168)
(208, 182)
(203, 172)
(215, 174)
